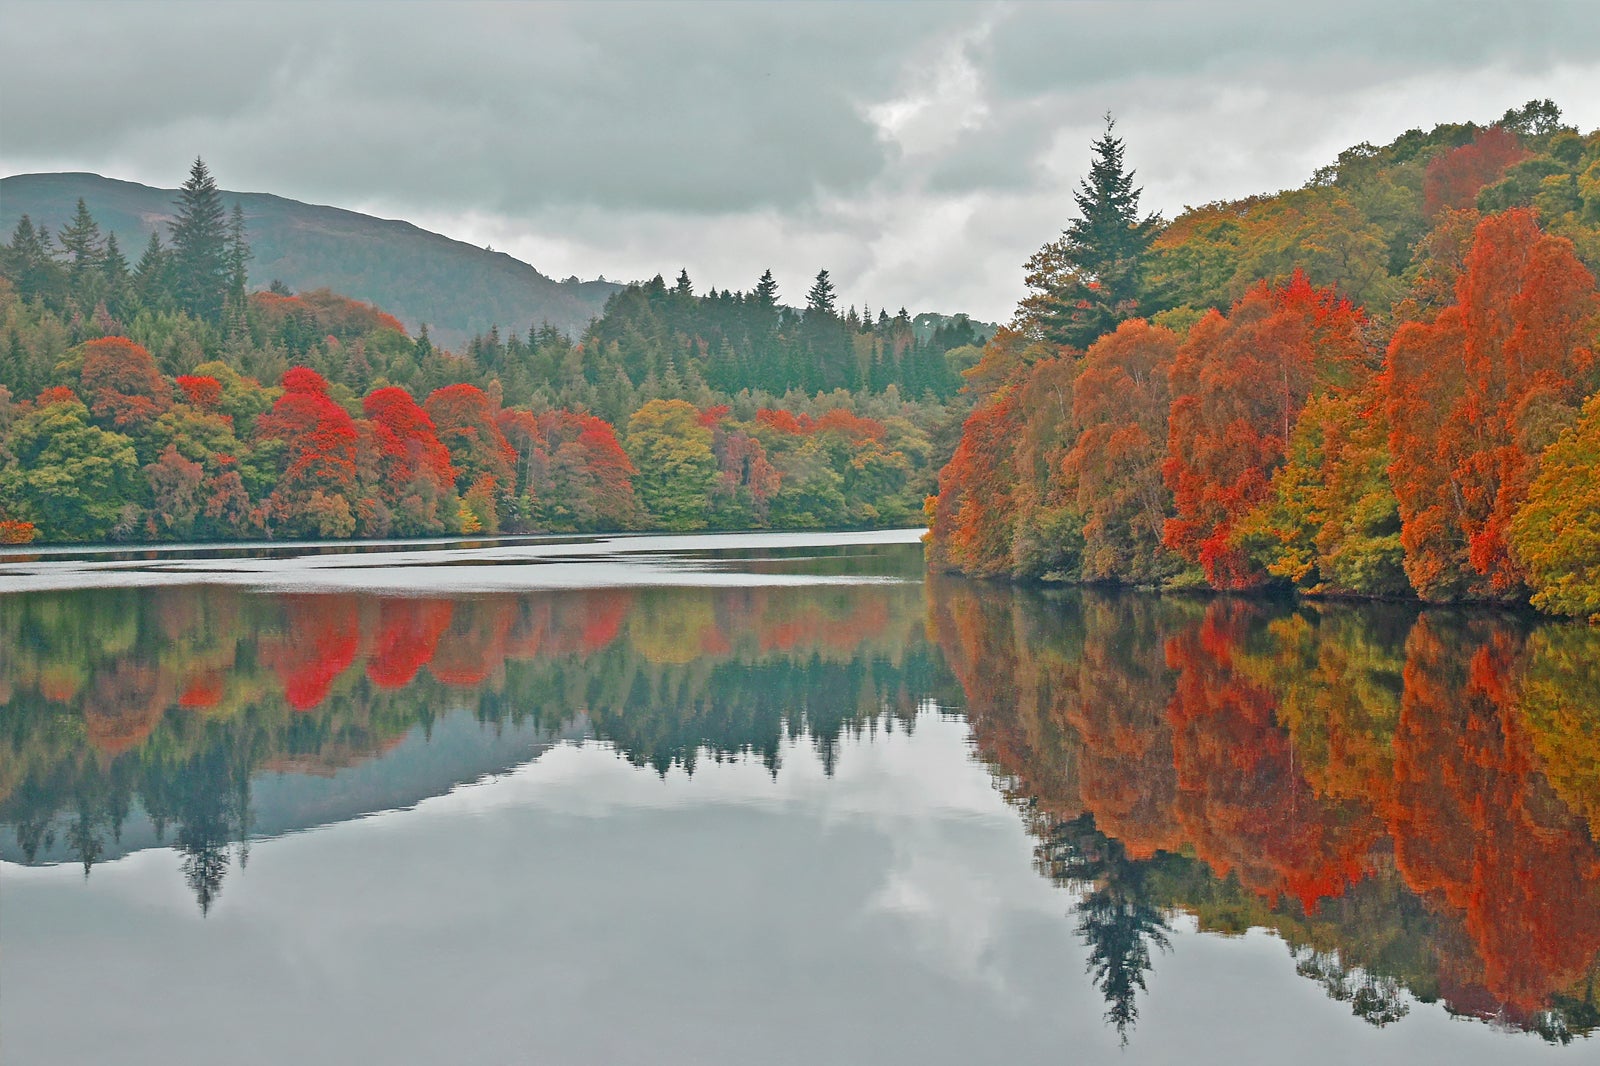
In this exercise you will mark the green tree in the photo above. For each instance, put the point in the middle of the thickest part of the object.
(80, 240)
(820, 298)
(672, 452)
(116, 277)
(28, 263)
(239, 254)
(200, 247)
(152, 275)
(1091, 277)
(766, 292)
(71, 479)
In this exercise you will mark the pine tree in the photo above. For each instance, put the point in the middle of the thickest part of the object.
(1090, 278)
(238, 255)
(766, 292)
(28, 263)
(114, 271)
(152, 274)
(200, 252)
(683, 287)
(820, 298)
(81, 242)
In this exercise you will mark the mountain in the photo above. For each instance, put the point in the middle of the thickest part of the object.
(458, 289)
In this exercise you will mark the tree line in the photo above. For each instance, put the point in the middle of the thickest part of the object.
(1383, 384)
(166, 401)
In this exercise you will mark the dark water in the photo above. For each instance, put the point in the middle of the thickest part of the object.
(773, 800)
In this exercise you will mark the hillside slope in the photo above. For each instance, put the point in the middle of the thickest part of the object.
(458, 289)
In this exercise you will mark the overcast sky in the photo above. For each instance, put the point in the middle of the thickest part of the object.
(919, 152)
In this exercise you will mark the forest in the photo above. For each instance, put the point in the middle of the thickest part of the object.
(166, 398)
(1382, 384)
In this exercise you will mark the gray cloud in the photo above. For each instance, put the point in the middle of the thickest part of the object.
(920, 152)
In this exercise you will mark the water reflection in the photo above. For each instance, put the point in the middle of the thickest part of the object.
(1406, 798)
(1410, 800)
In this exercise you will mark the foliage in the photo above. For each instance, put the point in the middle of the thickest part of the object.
(1556, 533)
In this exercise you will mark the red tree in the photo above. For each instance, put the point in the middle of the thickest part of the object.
(122, 383)
(1455, 177)
(1238, 385)
(1475, 395)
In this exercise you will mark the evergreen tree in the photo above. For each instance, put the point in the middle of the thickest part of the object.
(1090, 278)
(200, 251)
(821, 297)
(80, 240)
(152, 274)
(683, 287)
(238, 255)
(28, 263)
(766, 292)
(114, 272)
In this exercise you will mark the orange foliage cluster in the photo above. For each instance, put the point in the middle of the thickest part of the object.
(1286, 447)
(1238, 385)
(15, 532)
(323, 312)
(1475, 395)
(1454, 179)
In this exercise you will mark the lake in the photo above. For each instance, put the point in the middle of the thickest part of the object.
(776, 798)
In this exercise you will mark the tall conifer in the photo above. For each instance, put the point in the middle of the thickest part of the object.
(200, 253)
(1090, 278)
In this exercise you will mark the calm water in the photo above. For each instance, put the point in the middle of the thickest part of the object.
(776, 799)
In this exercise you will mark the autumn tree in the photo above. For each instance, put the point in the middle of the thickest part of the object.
(1119, 415)
(1555, 535)
(1455, 177)
(317, 473)
(1331, 523)
(416, 480)
(124, 387)
(1474, 396)
(1238, 385)
(677, 470)
(971, 518)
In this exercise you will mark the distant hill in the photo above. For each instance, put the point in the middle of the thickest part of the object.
(458, 289)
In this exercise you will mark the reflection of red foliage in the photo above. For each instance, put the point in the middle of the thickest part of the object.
(1241, 800)
(603, 613)
(408, 633)
(474, 646)
(323, 634)
(1477, 830)
(202, 692)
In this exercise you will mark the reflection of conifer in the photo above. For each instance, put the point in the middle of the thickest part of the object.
(1117, 918)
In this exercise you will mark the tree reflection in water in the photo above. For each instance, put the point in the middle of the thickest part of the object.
(1408, 798)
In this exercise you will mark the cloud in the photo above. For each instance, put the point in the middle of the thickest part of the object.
(920, 153)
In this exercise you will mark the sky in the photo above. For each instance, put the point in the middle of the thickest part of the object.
(918, 152)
